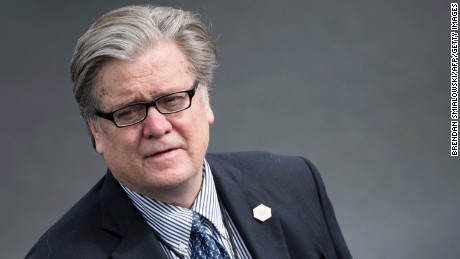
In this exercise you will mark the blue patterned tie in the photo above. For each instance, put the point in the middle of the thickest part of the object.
(203, 245)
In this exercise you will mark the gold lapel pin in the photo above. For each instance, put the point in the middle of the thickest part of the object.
(262, 212)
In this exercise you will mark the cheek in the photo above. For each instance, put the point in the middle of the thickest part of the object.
(199, 130)
(124, 142)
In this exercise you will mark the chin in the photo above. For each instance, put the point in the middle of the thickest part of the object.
(169, 178)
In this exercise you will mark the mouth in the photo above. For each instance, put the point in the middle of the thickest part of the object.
(163, 153)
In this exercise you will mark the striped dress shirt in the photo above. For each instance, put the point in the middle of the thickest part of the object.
(172, 224)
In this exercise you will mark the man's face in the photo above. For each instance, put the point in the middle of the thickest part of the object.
(161, 156)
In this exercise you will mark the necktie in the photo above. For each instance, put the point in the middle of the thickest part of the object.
(205, 246)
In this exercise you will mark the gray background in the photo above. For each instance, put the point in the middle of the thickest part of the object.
(359, 87)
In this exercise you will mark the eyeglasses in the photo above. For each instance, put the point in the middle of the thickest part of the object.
(135, 113)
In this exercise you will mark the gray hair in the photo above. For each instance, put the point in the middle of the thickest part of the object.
(125, 33)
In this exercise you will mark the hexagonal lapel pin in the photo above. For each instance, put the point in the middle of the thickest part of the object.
(262, 212)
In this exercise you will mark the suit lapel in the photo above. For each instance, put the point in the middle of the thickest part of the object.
(139, 242)
(263, 239)
(121, 218)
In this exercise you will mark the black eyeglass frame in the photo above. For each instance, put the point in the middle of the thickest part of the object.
(109, 116)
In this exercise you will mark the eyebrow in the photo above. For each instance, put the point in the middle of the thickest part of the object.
(138, 99)
(130, 101)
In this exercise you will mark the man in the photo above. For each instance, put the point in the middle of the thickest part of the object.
(140, 78)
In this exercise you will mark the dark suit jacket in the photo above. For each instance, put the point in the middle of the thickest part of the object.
(105, 224)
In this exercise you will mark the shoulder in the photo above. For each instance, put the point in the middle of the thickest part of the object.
(261, 160)
(252, 157)
(265, 168)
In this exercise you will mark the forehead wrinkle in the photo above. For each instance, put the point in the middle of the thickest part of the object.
(118, 88)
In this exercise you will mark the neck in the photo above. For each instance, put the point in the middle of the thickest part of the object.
(183, 195)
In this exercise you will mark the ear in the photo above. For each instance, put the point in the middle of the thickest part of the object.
(207, 106)
(97, 136)
(209, 113)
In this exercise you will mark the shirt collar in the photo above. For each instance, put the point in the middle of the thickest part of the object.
(172, 223)
(207, 202)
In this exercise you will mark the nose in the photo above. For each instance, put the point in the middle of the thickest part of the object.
(156, 124)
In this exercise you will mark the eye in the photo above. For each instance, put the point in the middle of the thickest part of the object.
(173, 102)
(130, 113)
